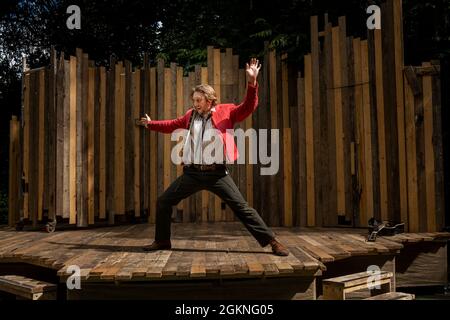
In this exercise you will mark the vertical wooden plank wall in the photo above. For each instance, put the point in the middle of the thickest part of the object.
(337, 140)
(14, 172)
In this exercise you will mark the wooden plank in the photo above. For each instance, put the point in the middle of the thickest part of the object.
(285, 90)
(96, 124)
(50, 145)
(79, 136)
(367, 133)
(84, 215)
(400, 104)
(26, 141)
(144, 107)
(135, 110)
(373, 126)
(302, 195)
(429, 150)
(316, 251)
(102, 145)
(381, 125)
(60, 113)
(413, 203)
(129, 146)
(66, 140)
(339, 130)
(346, 71)
(40, 158)
(144, 140)
(287, 158)
(420, 159)
(273, 90)
(327, 132)
(153, 148)
(91, 146)
(352, 138)
(394, 126)
(119, 140)
(110, 142)
(217, 73)
(33, 144)
(359, 130)
(319, 147)
(309, 137)
(14, 182)
(73, 141)
(438, 150)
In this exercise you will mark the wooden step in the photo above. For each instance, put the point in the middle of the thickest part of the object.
(28, 288)
(337, 288)
(393, 296)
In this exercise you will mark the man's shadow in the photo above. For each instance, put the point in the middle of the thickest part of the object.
(140, 249)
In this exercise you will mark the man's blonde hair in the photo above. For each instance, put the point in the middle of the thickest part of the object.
(208, 92)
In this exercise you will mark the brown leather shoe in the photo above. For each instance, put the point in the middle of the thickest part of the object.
(159, 245)
(278, 248)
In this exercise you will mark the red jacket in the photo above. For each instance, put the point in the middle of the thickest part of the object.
(224, 117)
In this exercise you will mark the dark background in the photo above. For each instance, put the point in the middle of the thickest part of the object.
(180, 30)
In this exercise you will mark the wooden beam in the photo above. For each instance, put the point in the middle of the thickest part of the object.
(137, 131)
(319, 147)
(14, 174)
(381, 125)
(90, 146)
(328, 130)
(367, 134)
(359, 138)
(302, 210)
(413, 204)
(287, 177)
(102, 145)
(26, 143)
(41, 125)
(309, 136)
(73, 141)
(400, 104)
(153, 148)
(339, 129)
(66, 140)
(119, 140)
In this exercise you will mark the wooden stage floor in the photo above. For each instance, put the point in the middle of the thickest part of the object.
(200, 251)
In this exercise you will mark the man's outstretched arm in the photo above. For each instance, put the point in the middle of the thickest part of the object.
(163, 126)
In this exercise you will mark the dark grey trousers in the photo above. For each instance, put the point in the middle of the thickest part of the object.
(218, 182)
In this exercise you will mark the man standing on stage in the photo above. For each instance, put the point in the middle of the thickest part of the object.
(206, 174)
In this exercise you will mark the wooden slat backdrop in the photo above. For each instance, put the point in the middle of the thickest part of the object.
(350, 147)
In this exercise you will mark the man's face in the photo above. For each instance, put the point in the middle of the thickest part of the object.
(200, 103)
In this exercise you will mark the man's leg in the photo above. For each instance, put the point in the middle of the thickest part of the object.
(225, 188)
(181, 188)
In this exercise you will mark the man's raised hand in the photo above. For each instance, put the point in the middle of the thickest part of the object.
(252, 70)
